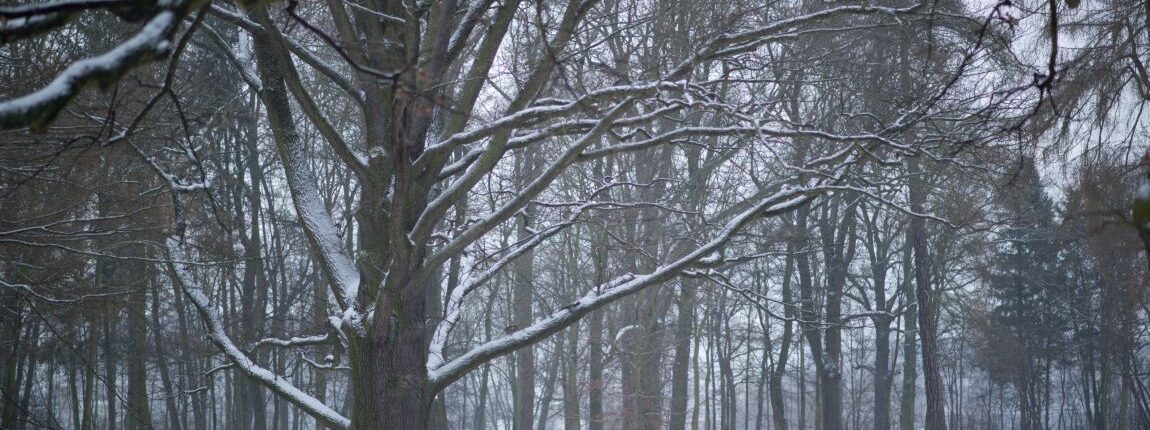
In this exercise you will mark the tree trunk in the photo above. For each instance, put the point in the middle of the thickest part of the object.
(680, 369)
(87, 422)
(29, 379)
(171, 409)
(549, 387)
(927, 306)
(596, 381)
(11, 320)
(110, 360)
(137, 414)
(571, 419)
(522, 297)
(778, 402)
(910, 343)
(74, 394)
(838, 250)
(389, 373)
(882, 376)
(809, 317)
(254, 288)
(481, 405)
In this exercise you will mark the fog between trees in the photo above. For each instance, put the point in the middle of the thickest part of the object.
(601, 214)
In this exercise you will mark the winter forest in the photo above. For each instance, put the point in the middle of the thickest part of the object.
(574, 214)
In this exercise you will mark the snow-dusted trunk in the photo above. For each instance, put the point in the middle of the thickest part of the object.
(388, 352)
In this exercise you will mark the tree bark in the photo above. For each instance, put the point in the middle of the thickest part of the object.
(778, 401)
(680, 369)
(878, 251)
(596, 381)
(11, 322)
(522, 297)
(110, 360)
(172, 410)
(571, 395)
(910, 342)
(927, 306)
(137, 415)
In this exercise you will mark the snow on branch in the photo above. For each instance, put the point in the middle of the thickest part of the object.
(177, 263)
(537, 114)
(150, 43)
(28, 289)
(455, 302)
(734, 43)
(317, 222)
(564, 128)
(293, 341)
(297, 49)
(321, 229)
(776, 203)
(27, 20)
(550, 173)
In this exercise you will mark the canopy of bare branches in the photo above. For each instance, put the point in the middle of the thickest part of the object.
(632, 214)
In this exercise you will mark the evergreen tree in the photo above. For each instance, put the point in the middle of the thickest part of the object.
(1026, 283)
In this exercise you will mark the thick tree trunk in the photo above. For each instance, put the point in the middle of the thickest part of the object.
(728, 409)
(808, 313)
(11, 320)
(642, 377)
(74, 397)
(389, 368)
(680, 369)
(778, 399)
(927, 306)
(137, 415)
